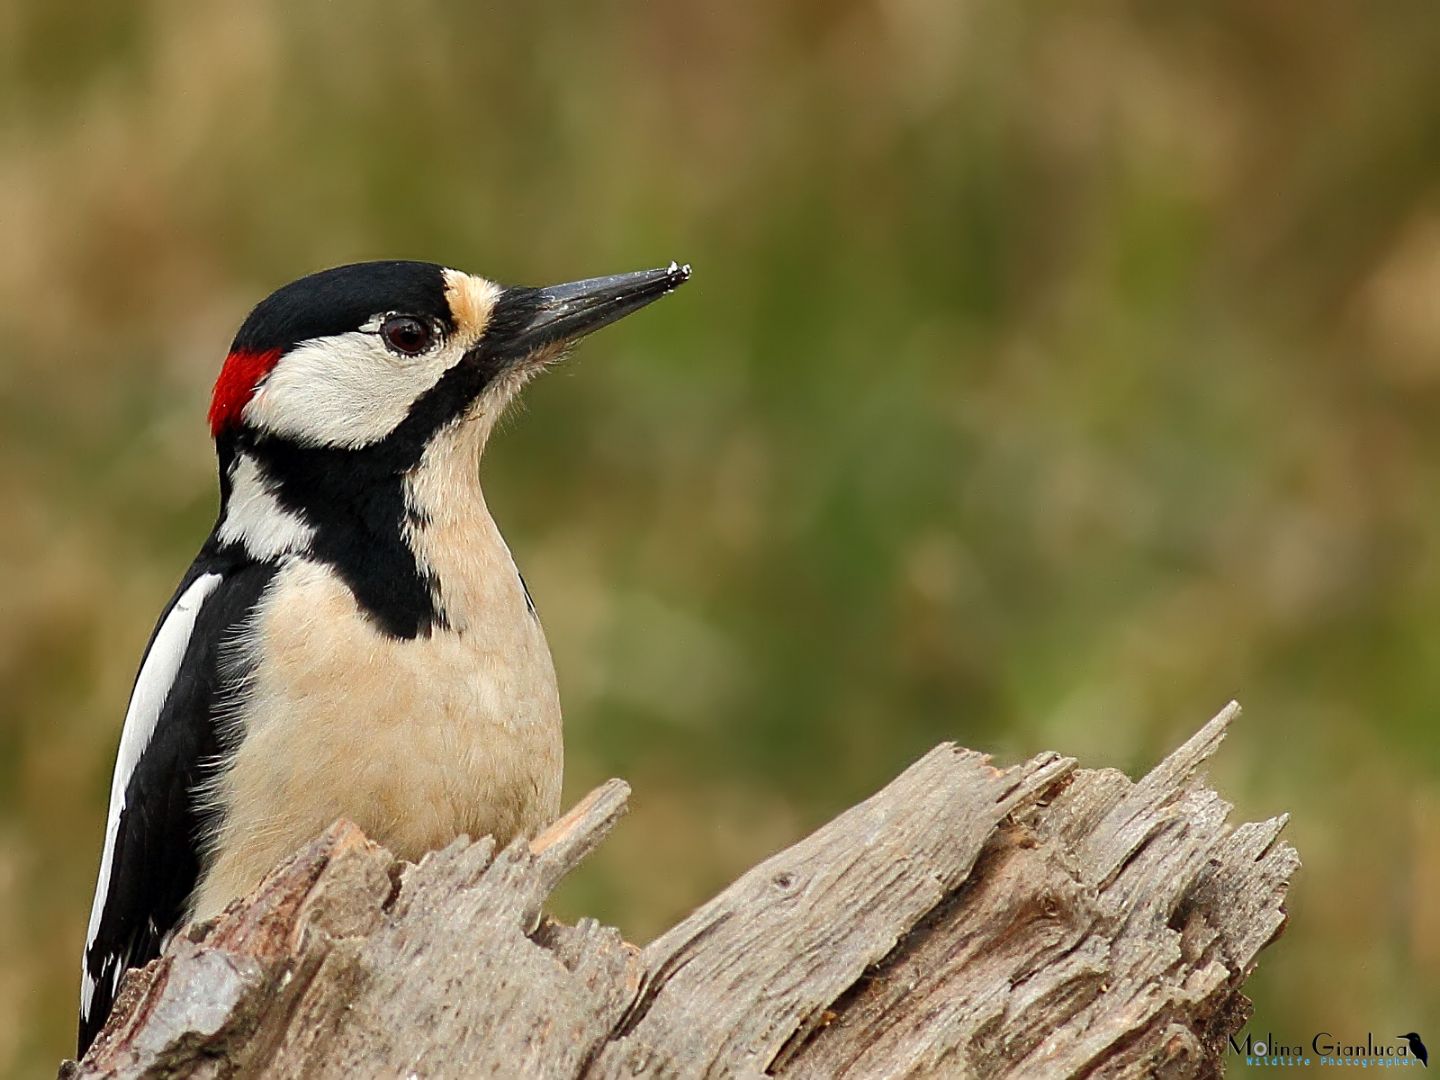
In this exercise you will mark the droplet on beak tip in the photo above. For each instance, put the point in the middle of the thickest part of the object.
(680, 272)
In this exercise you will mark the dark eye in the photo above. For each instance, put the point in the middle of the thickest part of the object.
(406, 334)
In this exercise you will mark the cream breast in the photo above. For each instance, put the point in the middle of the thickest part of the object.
(416, 740)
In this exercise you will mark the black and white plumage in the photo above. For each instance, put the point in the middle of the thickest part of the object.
(353, 638)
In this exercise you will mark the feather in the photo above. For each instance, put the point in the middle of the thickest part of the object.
(156, 830)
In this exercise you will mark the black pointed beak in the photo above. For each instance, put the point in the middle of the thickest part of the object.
(531, 321)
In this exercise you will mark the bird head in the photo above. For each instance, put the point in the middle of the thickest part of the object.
(379, 353)
(354, 404)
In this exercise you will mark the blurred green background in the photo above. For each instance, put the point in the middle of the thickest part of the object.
(1047, 378)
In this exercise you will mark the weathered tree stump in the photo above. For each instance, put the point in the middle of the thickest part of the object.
(1042, 920)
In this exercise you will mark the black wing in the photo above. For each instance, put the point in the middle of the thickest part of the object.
(157, 826)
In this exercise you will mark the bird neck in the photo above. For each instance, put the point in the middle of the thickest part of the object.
(255, 516)
(413, 539)
(456, 543)
(444, 485)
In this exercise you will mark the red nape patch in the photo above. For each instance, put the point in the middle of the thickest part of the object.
(242, 371)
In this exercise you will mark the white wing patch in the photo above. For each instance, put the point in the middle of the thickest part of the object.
(152, 687)
(255, 518)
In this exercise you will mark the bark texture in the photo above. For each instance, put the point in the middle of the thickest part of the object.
(1041, 920)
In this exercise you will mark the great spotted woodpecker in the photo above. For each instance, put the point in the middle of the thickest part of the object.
(353, 639)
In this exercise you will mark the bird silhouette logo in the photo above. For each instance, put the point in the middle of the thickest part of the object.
(1416, 1047)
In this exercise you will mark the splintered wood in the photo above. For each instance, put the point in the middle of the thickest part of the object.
(966, 921)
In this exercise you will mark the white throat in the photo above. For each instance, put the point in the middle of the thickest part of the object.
(456, 542)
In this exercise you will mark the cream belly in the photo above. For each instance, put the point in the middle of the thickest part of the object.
(415, 740)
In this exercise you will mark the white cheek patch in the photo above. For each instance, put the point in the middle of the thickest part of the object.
(345, 391)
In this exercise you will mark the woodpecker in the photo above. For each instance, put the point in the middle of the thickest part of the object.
(353, 639)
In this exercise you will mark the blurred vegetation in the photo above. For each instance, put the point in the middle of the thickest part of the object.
(1046, 380)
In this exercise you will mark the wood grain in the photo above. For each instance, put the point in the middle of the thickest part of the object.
(1036, 921)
